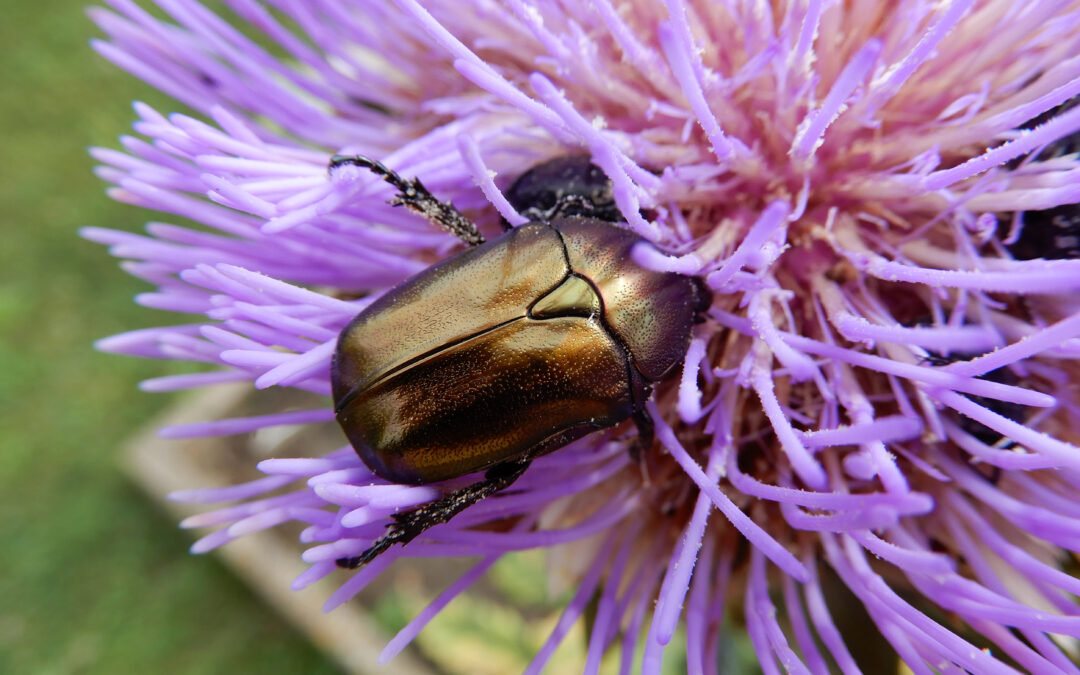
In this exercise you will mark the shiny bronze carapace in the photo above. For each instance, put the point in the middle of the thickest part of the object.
(510, 349)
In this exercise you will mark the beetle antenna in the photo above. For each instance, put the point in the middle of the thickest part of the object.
(414, 196)
(408, 525)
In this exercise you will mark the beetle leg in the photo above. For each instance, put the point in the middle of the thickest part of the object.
(414, 196)
(703, 300)
(646, 434)
(408, 525)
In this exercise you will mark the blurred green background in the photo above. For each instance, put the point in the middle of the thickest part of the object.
(95, 579)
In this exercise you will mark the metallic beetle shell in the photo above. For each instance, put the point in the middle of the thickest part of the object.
(452, 371)
(478, 289)
(505, 391)
(652, 312)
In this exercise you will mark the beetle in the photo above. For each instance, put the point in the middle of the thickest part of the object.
(509, 349)
(1007, 409)
(1051, 234)
(1066, 145)
(1054, 233)
(562, 187)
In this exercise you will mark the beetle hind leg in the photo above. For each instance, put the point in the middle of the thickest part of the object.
(410, 524)
(646, 428)
(414, 196)
(646, 435)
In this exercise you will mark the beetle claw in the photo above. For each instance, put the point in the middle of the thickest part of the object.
(395, 536)
(365, 557)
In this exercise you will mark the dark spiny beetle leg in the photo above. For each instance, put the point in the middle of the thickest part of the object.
(408, 525)
(646, 435)
(703, 300)
(414, 196)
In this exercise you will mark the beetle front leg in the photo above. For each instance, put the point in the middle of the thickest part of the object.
(410, 524)
(414, 196)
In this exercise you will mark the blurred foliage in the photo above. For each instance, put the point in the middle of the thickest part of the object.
(95, 579)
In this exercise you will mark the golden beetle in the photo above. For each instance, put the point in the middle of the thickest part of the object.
(510, 349)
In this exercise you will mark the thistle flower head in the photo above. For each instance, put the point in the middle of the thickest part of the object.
(882, 198)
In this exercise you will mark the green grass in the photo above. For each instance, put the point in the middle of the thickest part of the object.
(95, 579)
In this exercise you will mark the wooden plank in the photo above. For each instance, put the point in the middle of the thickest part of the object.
(267, 561)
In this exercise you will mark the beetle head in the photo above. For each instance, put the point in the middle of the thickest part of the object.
(562, 187)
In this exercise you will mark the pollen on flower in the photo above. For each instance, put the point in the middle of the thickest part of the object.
(880, 197)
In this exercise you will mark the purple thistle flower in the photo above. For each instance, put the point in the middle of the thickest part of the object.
(883, 397)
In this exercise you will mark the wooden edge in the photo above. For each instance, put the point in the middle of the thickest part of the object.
(263, 560)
